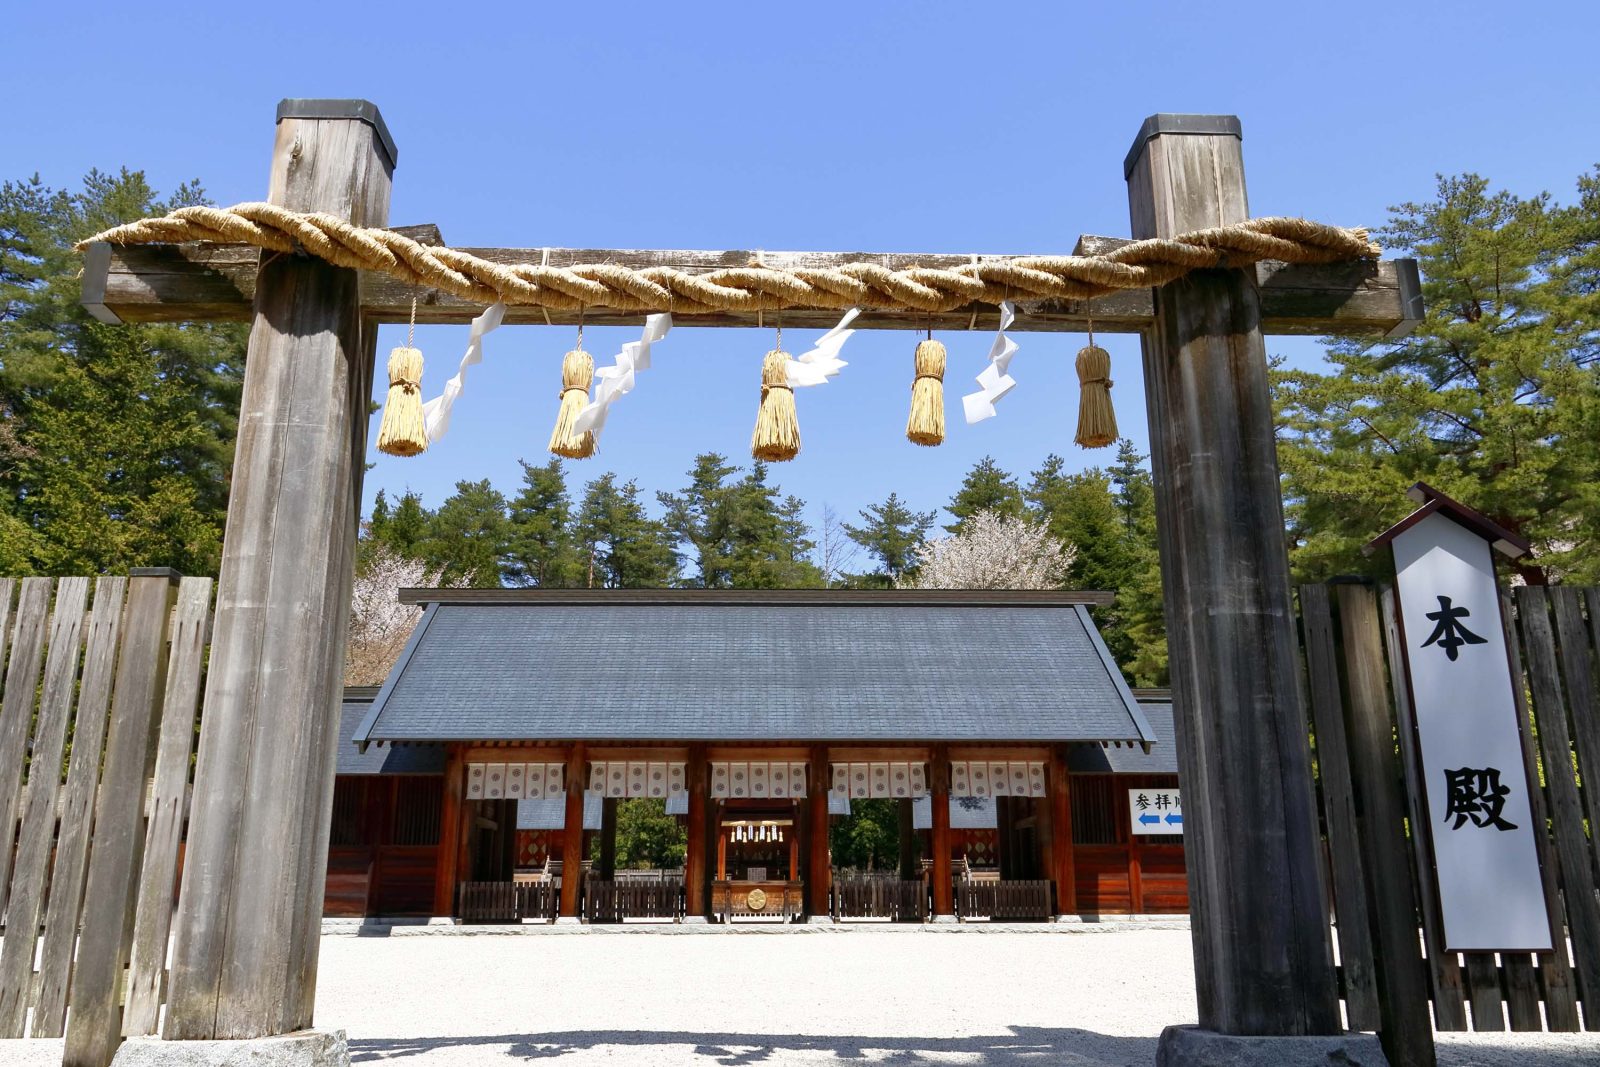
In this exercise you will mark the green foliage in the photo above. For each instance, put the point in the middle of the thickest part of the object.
(468, 535)
(1492, 399)
(540, 547)
(868, 839)
(985, 488)
(739, 533)
(625, 548)
(117, 440)
(647, 837)
(891, 532)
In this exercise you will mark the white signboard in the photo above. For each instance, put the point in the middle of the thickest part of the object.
(1157, 810)
(1474, 781)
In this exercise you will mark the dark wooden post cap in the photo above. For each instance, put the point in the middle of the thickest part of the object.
(1156, 125)
(360, 110)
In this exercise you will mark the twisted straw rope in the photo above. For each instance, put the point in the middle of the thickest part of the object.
(1138, 265)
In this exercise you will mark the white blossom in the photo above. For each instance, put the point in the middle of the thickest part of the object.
(993, 551)
(379, 624)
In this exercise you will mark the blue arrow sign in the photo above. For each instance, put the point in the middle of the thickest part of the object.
(1150, 820)
(1174, 819)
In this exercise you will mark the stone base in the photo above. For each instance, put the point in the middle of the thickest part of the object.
(305, 1048)
(1190, 1046)
(1068, 919)
(942, 919)
(696, 920)
(568, 920)
(820, 920)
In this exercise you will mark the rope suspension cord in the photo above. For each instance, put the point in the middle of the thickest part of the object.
(1137, 265)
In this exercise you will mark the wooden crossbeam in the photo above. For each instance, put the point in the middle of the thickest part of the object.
(216, 283)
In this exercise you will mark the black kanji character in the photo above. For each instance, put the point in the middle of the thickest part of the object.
(1475, 793)
(1448, 632)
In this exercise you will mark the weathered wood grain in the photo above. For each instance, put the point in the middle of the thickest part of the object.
(94, 1027)
(1547, 975)
(1375, 773)
(16, 708)
(201, 282)
(1444, 969)
(1484, 994)
(1263, 960)
(1339, 810)
(1577, 673)
(245, 952)
(1566, 808)
(168, 808)
(39, 810)
(77, 806)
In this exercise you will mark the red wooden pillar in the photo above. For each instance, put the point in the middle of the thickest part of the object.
(697, 845)
(446, 871)
(1058, 798)
(572, 840)
(939, 800)
(819, 867)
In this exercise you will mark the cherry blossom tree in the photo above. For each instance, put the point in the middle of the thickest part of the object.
(379, 623)
(993, 551)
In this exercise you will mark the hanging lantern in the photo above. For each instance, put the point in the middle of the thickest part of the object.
(402, 433)
(577, 373)
(777, 435)
(925, 426)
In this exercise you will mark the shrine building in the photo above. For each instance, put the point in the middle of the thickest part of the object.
(483, 780)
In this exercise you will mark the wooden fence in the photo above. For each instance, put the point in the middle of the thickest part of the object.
(607, 901)
(1380, 873)
(1003, 901)
(97, 725)
(509, 902)
(878, 895)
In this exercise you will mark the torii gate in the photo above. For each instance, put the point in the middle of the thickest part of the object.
(245, 959)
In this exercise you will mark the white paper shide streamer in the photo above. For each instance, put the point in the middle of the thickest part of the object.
(994, 382)
(436, 412)
(617, 380)
(820, 364)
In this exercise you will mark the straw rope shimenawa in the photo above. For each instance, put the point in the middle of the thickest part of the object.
(1137, 265)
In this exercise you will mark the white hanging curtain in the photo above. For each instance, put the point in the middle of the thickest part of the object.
(636, 778)
(758, 780)
(996, 778)
(879, 781)
(515, 781)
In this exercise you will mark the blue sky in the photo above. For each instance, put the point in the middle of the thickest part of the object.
(940, 127)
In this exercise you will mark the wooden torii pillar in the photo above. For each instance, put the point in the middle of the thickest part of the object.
(245, 957)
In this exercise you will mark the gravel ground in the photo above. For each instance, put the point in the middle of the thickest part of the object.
(902, 996)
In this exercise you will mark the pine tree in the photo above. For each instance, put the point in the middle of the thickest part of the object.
(401, 527)
(1493, 399)
(740, 534)
(119, 438)
(622, 547)
(539, 547)
(891, 532)
(985, 488)
(467, 536)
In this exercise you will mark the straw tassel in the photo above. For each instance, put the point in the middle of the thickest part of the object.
(401, 433)
(1097, 420)
(925, 426)
(777, 436)
(577, 373)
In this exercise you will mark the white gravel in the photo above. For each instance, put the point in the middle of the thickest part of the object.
(903, 996)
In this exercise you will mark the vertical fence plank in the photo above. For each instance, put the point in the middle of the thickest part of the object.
(169, 801)
(1402, 977)
(83, 774)
(1552, 979)
(16, 709)
(1484, 992)
(1573, 638)
(8, 589)
(1338, 799)
(94, 1029)
(1566, 809)
(39, 808)
(1444, 972)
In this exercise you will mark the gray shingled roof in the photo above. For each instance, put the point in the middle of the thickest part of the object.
(386, 759)
(550, 813)
(966, 813)
(678, 667)
(1162, 758)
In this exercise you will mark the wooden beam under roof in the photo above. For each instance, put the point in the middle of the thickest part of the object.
(202, 282)
(1005, 598)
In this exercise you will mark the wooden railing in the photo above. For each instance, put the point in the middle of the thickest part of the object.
(633, 898)
(508, 902)
(863, 895)
(1003, 901)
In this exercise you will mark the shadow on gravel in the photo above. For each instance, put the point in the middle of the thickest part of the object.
(1023, 1044)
